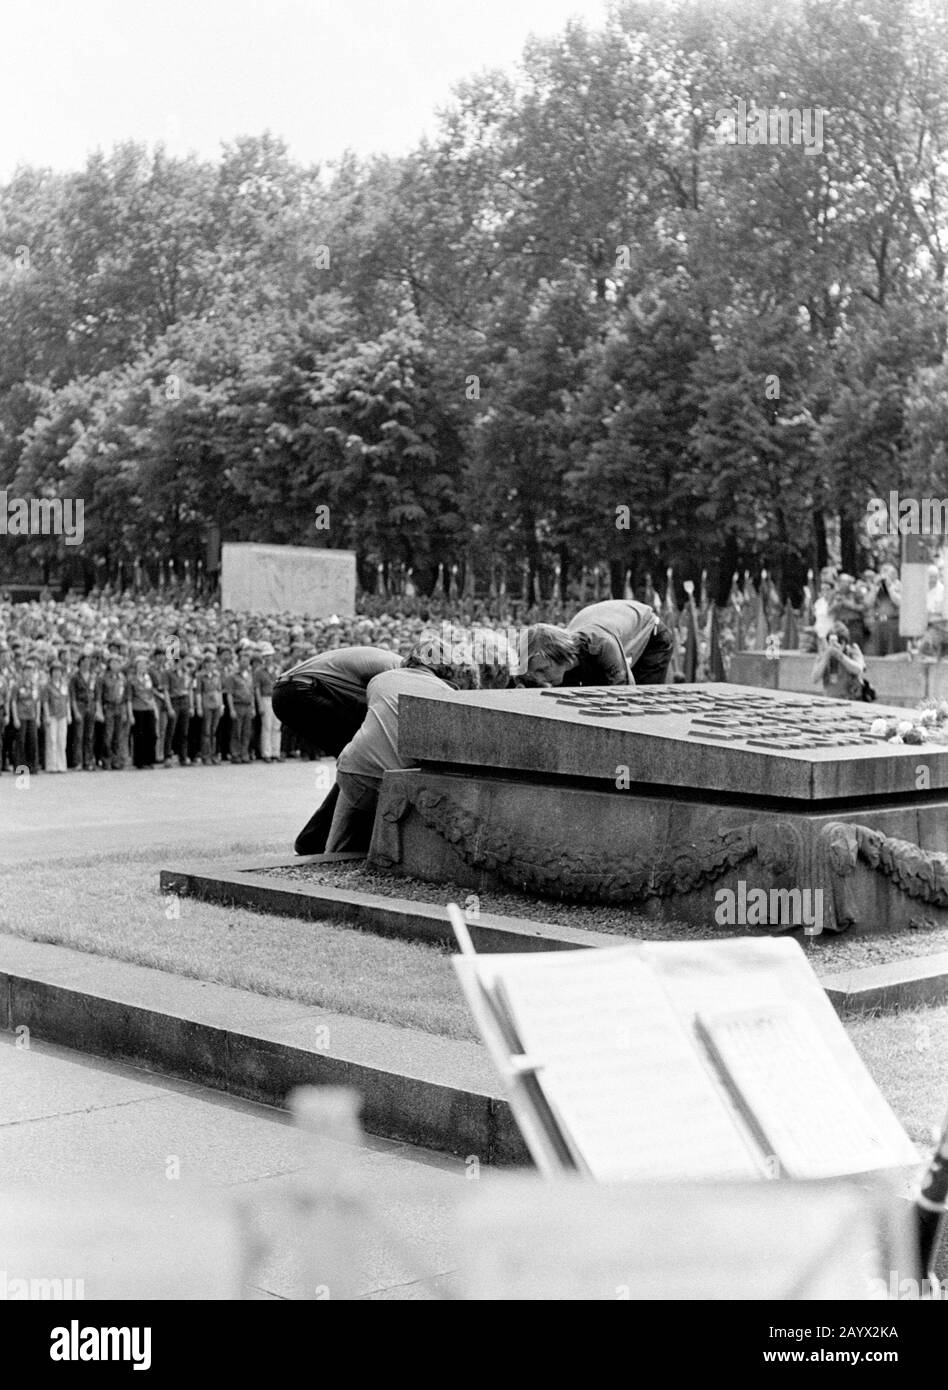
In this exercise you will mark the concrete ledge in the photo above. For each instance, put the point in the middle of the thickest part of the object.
(234, 883)
(901, 984)
(897, 680)
(416, 1087)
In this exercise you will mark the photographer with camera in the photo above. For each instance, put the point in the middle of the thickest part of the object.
(841, 667)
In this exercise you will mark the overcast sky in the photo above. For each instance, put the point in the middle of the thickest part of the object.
(325, 74)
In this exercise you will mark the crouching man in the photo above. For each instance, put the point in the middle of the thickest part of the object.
(374, 749)
(323, 702)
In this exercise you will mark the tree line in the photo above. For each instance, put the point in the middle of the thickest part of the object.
(574, 327)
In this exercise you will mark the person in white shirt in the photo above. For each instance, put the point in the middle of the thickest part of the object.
(822, 617)
(934, 603)
(323, 701)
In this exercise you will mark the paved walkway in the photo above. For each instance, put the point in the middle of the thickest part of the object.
(71, 1120)
(76, 813)
(68, 1118)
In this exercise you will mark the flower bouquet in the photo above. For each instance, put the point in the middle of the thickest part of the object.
(927, 724)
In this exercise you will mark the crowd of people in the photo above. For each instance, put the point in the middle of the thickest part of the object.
(867, 607)
(142, 680)
(111, 682)
(132, 681)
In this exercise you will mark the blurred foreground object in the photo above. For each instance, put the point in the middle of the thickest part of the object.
(118, 1241)
(932, 1203)
(567, 1239)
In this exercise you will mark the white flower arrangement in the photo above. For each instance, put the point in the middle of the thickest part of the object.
(928, 724)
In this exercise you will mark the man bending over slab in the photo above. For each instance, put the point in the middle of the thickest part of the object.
(616, 642)
(323, 700)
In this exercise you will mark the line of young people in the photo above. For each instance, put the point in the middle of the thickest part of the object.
(112, 713)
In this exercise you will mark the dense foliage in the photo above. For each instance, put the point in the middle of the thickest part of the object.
(574, 300)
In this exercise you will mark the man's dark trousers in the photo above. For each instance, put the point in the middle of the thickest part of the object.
(652, 666)
(240, 731)
(311, 712)
(27, 745)
(85, 737)
(314, 714)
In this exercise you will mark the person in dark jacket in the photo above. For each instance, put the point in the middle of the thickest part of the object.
(180, 691)
(621, 642)
(374, 750)
(322, 700)
(144, 702)
(25, 714)
(82, 697)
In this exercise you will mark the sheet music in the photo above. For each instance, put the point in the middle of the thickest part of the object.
(633, 1087)
(797, 1093)
(619, 1070)
(708, 977)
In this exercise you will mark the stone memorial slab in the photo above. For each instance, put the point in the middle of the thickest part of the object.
(299, 579)
(778, 745)
(662, 796)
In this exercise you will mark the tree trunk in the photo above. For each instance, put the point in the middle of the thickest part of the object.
(819, 535)
(564, 557)
(848, 547)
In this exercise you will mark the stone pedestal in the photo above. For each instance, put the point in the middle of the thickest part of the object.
(662, 797)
